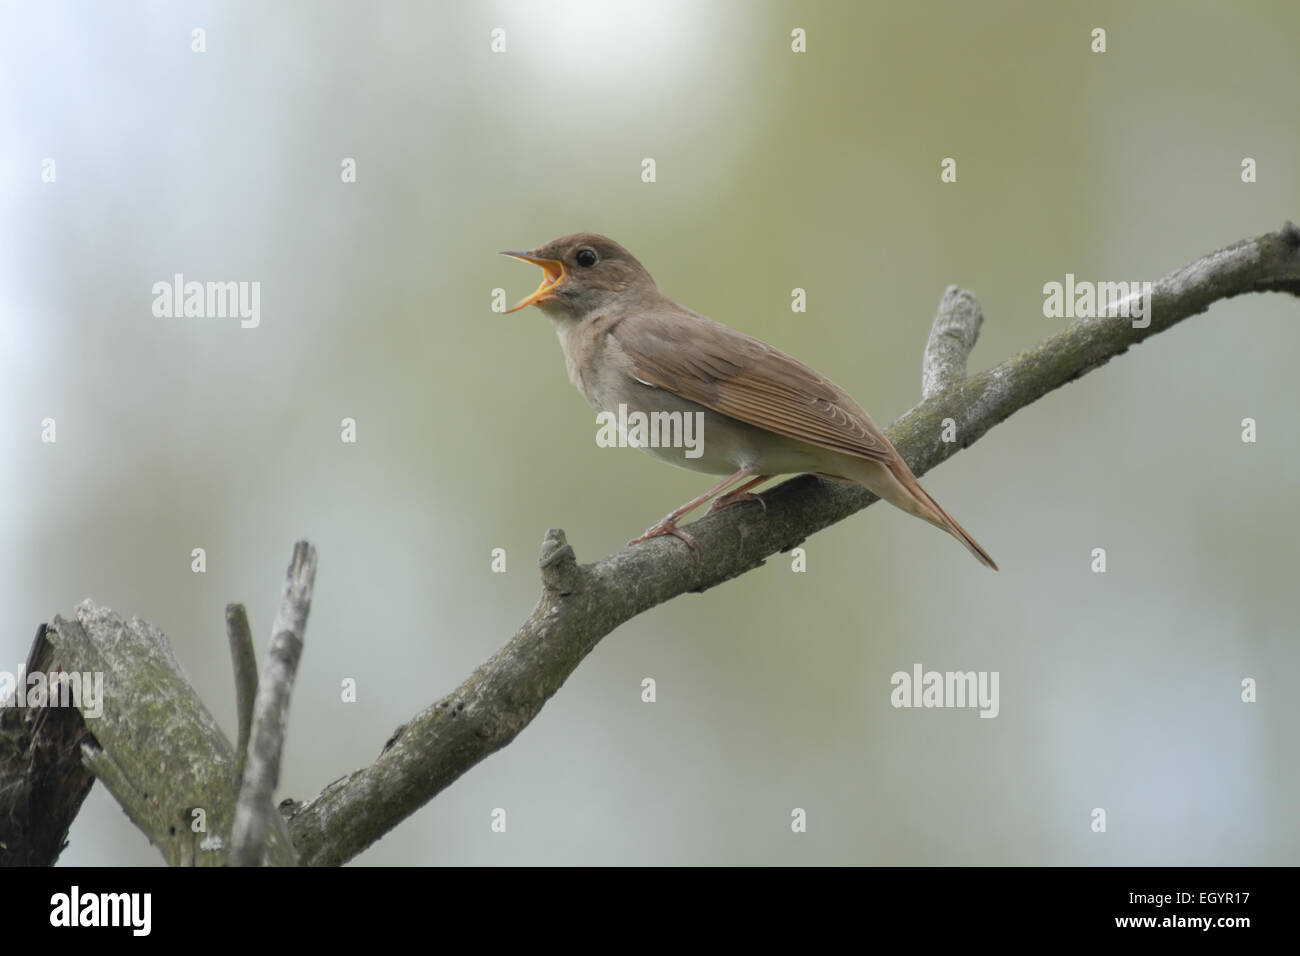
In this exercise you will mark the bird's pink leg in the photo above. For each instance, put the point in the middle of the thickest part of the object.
(669, 524)
(740, 494)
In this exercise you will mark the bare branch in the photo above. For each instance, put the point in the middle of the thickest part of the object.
(244, 660)
(952, 338)
(260, 834)
(580, 604)
(155, 746)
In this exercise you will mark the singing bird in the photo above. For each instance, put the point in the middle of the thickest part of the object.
(765, 413)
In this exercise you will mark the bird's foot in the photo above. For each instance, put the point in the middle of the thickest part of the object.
(735, 498)
(669, 526)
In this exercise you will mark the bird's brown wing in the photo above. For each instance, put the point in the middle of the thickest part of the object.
(731, 373)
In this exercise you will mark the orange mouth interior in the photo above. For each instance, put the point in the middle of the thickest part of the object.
(553, 272)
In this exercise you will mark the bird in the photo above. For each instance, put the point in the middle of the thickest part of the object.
(764, 413)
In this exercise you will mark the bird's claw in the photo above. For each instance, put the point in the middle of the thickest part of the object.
(669, 527)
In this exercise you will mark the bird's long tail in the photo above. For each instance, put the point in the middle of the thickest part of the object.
(896, 484)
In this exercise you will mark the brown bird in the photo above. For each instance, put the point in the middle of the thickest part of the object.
(764, 413)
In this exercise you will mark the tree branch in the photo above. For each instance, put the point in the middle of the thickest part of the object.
(155, 746)
(42, 779)
(952, 338)
(260, 833)
(580, 604)
(243, 658)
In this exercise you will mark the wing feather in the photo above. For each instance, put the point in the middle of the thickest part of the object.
(736, 375)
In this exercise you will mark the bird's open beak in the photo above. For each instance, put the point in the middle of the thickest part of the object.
(554, 272)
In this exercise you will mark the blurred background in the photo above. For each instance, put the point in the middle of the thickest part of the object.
(775, 170)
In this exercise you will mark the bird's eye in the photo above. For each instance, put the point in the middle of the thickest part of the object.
(586, 258)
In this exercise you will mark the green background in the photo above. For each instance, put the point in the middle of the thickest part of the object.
(775, 171)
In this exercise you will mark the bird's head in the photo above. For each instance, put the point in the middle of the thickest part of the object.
(584, 272)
